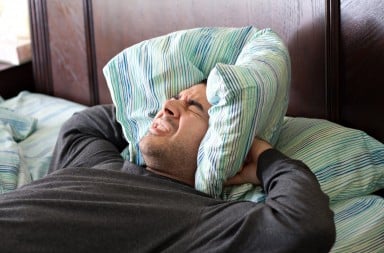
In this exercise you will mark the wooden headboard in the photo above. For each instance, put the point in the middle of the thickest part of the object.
(336, 47)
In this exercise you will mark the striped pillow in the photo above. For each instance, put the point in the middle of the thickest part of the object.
(242, 65)
(359, 225)
(143, 76)
(347, 162)
(249, 98)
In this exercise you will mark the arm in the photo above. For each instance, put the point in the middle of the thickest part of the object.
(295, 216)
(89, 138)
(296, 209)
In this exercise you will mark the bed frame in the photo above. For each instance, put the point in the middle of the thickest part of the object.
(336, 47)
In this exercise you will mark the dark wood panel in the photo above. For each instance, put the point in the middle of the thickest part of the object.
(68, 51)
(362, 45)
(332, 61)
(301, 23)
(41, 61)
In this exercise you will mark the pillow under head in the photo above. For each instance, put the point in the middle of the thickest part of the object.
(347, 162)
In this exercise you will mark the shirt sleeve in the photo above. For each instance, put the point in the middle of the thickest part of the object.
(89, 138)
(296, 213)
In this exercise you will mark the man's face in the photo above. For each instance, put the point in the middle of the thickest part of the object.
(171, 145)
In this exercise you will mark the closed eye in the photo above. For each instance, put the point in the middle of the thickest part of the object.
(190, 102)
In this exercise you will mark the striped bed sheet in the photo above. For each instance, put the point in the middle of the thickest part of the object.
(33, 153)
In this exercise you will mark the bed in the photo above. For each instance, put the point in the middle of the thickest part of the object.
(335, 105)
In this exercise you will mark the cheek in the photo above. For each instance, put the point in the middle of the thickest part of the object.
(193, 130)
(199, 132)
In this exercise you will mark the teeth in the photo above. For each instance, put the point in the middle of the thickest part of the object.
(159, 126)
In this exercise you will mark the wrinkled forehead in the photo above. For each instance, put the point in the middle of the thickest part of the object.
(198, 93)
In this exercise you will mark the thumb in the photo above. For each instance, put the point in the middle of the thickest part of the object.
(246, 175)
(235, 180)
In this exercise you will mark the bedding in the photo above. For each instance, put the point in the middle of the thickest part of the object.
(359, 224)
(13, 129)
(30, 123)
(347, 162)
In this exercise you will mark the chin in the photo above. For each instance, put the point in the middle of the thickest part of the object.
(152, 147)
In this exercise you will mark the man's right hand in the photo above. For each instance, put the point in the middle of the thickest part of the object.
(248, 173)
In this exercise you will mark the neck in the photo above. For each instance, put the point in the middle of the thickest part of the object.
(172, 176)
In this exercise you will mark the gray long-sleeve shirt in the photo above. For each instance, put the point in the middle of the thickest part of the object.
(101, 203)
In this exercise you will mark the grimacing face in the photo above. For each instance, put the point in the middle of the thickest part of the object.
(171, 145)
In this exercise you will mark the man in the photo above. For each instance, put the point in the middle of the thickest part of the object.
(93, 201)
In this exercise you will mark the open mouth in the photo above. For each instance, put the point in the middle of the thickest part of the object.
(160, 127)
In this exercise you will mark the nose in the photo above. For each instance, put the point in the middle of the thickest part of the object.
(173, 108)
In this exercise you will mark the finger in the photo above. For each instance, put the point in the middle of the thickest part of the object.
(235, 180)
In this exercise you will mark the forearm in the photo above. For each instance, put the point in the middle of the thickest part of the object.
(296, 211)
(89, 138)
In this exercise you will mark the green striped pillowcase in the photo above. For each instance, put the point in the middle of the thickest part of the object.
(347, 162)
(359, 225)
(248, 98)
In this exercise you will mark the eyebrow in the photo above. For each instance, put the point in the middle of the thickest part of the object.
(197, 104)
(191, 102)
